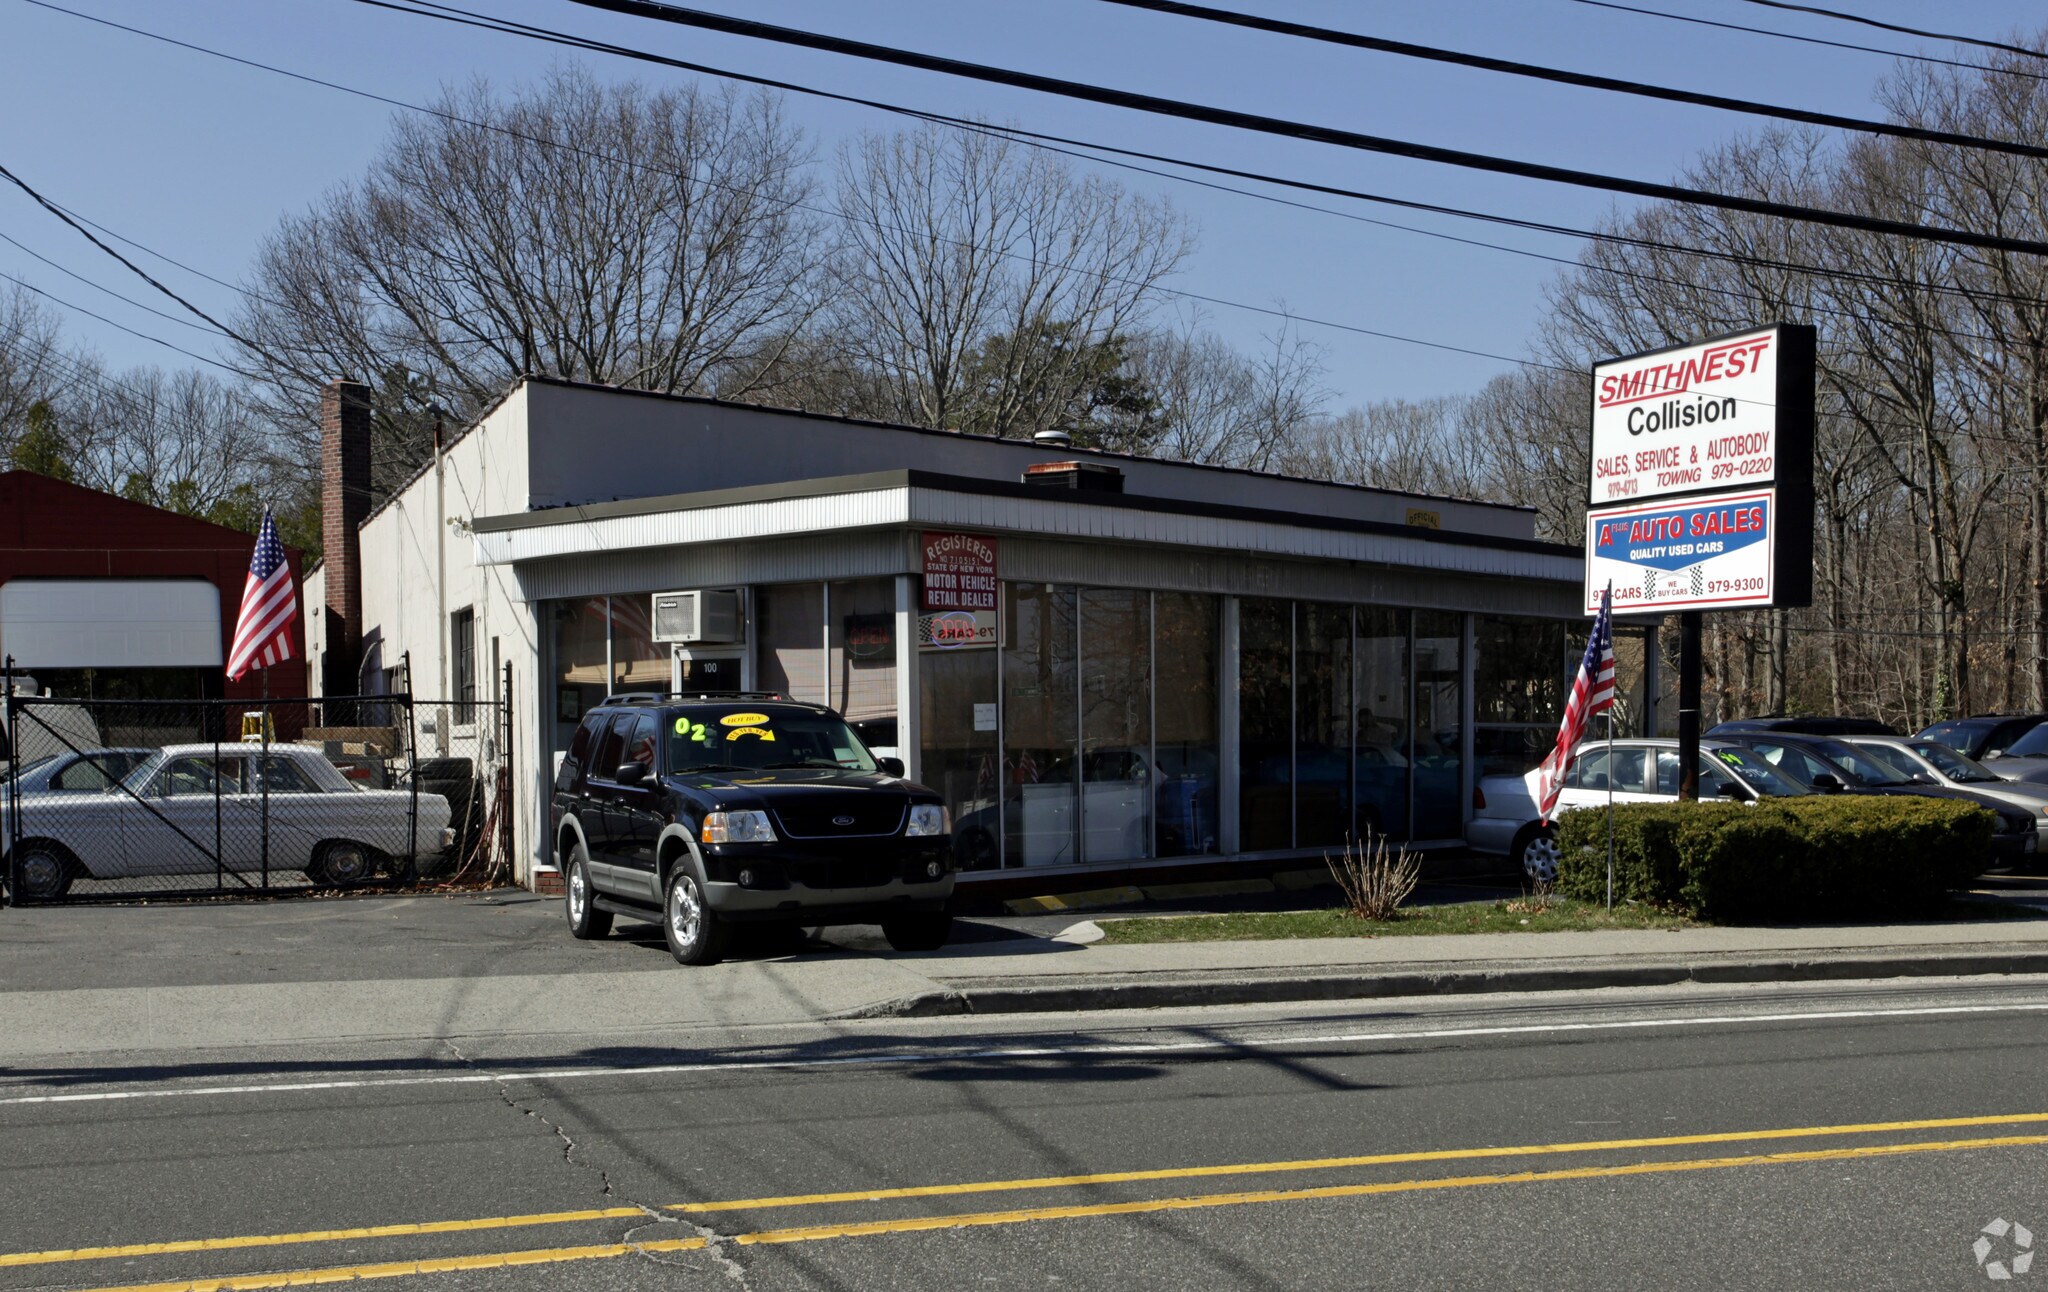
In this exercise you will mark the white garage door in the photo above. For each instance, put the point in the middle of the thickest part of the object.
(110, 623)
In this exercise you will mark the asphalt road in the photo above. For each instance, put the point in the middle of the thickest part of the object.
(1853, 1135)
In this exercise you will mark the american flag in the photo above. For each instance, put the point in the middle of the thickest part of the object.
(1592, 691)
(263, 634)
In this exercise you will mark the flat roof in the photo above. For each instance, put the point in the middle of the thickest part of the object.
(910, 478)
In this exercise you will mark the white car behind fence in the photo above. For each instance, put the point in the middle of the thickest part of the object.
(229, 809)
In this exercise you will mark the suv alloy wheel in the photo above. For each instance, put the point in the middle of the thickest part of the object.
(585, 920)
(695, 934)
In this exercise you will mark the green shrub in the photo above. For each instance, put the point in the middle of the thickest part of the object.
(1837, 856)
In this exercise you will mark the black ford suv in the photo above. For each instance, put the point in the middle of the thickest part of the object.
(708, 811)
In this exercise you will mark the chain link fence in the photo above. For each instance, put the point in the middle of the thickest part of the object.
(127, 799)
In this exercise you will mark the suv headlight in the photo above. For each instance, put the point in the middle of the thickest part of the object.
(928, 819)
(745, 826)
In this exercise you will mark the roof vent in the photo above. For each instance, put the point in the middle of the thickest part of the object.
(1097, 477)
(1053, 439)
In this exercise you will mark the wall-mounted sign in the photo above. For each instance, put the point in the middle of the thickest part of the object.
(959, 572)
(871, 638)
(1712, 552)
(1425, 519)
(1732, 413)
(958, 630)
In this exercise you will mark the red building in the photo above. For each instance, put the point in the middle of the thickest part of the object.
(105, 598)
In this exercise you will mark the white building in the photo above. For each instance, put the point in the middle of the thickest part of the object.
(1102, 661)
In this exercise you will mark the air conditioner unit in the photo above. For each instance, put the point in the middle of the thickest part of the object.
(697, 617)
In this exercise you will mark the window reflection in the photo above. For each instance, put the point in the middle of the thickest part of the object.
(1265, 724)
(1040, 708)
(1184, 637)
(1117, 775)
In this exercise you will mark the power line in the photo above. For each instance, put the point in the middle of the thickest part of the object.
(1839, 16)
(1307, 132)
(1049, 142)
(1813, 40)
(1100, 154)
(135, 269)
(147, 309)
(49, 296)
(1267, 311)
(1583, 80)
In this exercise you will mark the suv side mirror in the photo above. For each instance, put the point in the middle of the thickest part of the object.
(1730, 790)
(631, 773)
(890, 766)
(1828, 783)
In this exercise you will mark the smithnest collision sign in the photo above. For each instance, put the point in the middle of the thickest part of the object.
(1722, 432)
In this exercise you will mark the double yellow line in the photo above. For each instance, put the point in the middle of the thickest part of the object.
(814, 1233)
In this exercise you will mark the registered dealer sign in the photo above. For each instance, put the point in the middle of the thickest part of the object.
(1700, 476)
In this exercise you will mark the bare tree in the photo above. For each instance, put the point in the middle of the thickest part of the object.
(601, 233)
(978, 281)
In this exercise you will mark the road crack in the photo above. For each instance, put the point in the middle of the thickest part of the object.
(554, 1128)
(716, 1244)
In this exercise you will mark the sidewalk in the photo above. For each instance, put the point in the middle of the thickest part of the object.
(99, 980)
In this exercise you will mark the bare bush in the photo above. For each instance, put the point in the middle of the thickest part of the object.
(1375, 879)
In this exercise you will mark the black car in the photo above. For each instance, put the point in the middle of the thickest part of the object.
(704, 812)
(1986, 735)
(1809, 726)
(1836, 767)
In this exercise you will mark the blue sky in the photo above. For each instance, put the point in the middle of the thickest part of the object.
(198, 158)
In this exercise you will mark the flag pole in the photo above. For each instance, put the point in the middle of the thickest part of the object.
(1607, 604)
(263, 769)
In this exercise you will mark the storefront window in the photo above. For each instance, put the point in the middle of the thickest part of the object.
(1040, 704)
(1185, 670)
(1117, 775)
(863, 659)
(1322, 725)
(1380, 685)
(789, 641)
(961, 752)
(1520, 678)
(1265, 724)
(1439, 725)
(581, 650)
(638, 664)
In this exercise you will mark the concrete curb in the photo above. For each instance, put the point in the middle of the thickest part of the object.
(1194, 991)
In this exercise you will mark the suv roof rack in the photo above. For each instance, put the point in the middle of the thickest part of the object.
(664, 697)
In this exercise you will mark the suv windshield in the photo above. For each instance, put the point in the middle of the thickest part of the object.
(739, 737)
(2032, 745)
(1957, 767)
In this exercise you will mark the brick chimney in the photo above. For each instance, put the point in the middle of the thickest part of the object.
(344, 502)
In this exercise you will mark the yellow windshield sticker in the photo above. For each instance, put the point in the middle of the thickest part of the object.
(762, 732)
(689, 730)
(744, 720)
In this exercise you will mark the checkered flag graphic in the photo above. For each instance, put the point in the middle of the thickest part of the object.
(1699, 579)
(1649, 585)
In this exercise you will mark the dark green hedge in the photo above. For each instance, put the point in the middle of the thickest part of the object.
(1832, 857)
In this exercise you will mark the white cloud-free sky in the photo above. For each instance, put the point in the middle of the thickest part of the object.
(198, 158)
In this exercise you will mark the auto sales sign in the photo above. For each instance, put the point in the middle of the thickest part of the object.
(1700, 478)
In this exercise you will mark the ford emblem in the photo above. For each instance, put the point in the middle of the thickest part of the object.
(842, 820)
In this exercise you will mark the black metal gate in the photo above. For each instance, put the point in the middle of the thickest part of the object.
(119, 799)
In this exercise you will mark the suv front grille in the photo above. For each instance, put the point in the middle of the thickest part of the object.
(850, 816)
